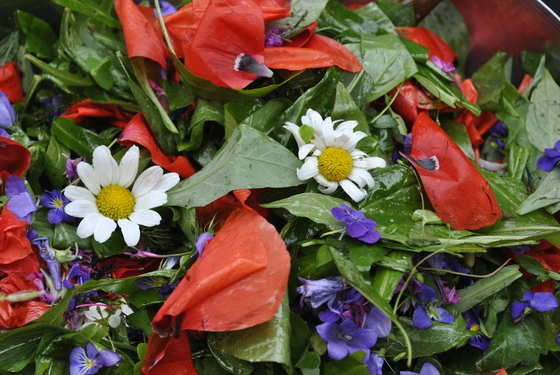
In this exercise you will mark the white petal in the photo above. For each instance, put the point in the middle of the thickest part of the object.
(146, 181)
(105, 166)
(153, 199)
(128, 167)
(350, 144)
(130, 231)
(167, 182)
(352, 190)
(328, 132)
(81, 208)
(361, 177)
(75, 193)
(309, 169)
(114, 320)
(104, 228)
(294, 129)
(347, 126)
(304, 150)
(88, 224)
(147, 218)
(326, 186)
(89, 177)
(370, 162)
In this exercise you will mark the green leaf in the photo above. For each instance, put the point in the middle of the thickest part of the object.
(514, 343)
(310, 8)
(386, 63)
(64, 237)
(544, 111)
(548, 193)
(490, 80)
(62, 76)
(350, 365)
(39, 37)
(9, 47)
(345, 108)
(265, 342)
(249, 159)
(373, 11)
(531, 265)
(459, 134)
(337, 21)
(90, 8)
(486, 287)
(204, 112)
(55, 162)
(441, 337)
(448, 23)
(400, 14)
(314, 206)
(80, 140)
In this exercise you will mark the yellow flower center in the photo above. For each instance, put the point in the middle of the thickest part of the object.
(335, 164)
(475, 328)
(115, 202)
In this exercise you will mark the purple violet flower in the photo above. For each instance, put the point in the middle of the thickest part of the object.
(47, 254)
(7, 115)
(426, 311)
(443, 65)
(81, 272)
(540, 301)
(427, 369)
(201, 243)
(480, 340)
(56, 202)
(71, 172)
(166, 8)
(317, 292)
(275, 37)
(558, 338)
(379, 322)
(21, 202)
(552, 157)
(90, 360)
(356, 224)
(374, 363)
(346, 338)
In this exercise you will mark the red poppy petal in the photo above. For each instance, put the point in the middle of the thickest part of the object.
(136, 131)
(245, 267)
(168, 355)
(87, 109)
(425, 37)
(318, 52)
(10, 82)
(14, 158)
(458, 192)
(273, 10)
(226, 31)
(525, 83)
(141, 37)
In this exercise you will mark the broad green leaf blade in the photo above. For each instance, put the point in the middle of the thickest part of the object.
(514, 343)
(374, 12)
(310, 8)
(80, 140)
(486, 287)
(249, 159)
(548, 193)
(266, 342)
(437, 339)
(544, 111)
(314, 206)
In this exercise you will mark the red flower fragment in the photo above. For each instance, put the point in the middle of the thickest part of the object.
(458, 192)
(168, 355)
(86, 109)
(238, 281)
(14, 158)
(425, 37)
(10, 82)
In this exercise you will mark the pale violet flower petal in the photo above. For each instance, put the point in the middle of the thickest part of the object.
(146, 181)
(152, 199)
(128, 167)
(104, 228)
(81, 208)
(86, 228)
(130, 231)
(75, 193)
(89, 177)
(147, 218)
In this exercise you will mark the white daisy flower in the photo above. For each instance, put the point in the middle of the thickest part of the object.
(107, 200)
(334, 159)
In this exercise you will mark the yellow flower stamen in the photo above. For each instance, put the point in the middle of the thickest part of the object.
(475, 328)
(335, 164)
(115, 202)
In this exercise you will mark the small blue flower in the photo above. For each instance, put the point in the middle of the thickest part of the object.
(166, 8)
(427, 369)
(540, 301)
(356, 224)
(374, 363)
(21, 202)
(47, 254)
(90, 360)
(56, 202)
(201, 243)
(7, 115)
(275, 37)
(346, 338)
(317, 292)
(552, 157)
(81, 272)
(379, 322)
(426, 311)
(480, 340)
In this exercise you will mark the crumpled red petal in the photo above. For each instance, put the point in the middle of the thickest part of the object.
(10, 82)
(245, 267)
(86, 109)
(168, 355)
(460, 195)
(14, 158)
(425, 37)
(141, 37)
(137, 131)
